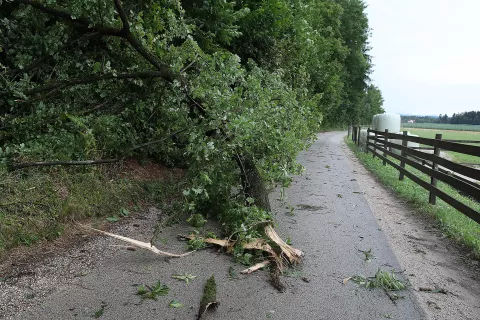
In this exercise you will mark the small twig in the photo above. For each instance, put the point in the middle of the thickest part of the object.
(55, 163)
(159, 140)
(187, 67)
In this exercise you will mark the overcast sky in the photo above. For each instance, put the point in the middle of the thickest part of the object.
(426, 54)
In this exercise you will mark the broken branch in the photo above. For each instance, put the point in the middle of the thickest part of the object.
(256, 267)
(140, 244)
(293, 255)
(55, 163)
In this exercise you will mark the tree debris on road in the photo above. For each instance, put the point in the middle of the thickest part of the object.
(140, 244)
(256, 267)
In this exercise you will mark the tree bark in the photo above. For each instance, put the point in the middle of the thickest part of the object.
(252, 182)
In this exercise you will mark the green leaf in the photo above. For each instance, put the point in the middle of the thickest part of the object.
(100, 311)
(184, 277)
(196, 220)
(97, 66)
(232, 274)
(112, 219)
(124, 212)
(147, 292)
(142, 290)
(175, 304)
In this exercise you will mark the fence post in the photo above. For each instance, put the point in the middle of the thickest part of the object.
(374, 146)
(433, 181)
(358, 136)
(403, 154)
(348, 134)
(385, 149)
(353, 133)
(366, 145)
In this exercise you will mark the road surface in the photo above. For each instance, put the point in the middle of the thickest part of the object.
(331, 222)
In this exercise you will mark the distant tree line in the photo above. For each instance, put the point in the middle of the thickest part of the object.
(467, 117)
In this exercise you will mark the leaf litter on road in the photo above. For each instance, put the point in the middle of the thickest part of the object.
(184, 277)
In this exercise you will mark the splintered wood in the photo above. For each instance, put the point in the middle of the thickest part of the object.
(293, 255)
(218, 242)
(140, 244)
(256, 267)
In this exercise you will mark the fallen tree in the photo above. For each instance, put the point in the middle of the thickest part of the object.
(217, 90)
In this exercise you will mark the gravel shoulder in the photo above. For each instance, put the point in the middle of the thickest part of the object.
(430, 259)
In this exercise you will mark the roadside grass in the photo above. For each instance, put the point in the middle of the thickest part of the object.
(452, 135)
(36, 204)
(452, 222)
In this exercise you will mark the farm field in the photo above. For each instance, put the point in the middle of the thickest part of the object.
(443, 126)
(451, 135)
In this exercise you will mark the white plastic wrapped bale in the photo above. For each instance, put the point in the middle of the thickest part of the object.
(410, 144)
(390, 121)
(363, 139)
(374, 122)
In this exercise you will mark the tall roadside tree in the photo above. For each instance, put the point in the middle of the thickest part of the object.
(372, 104)
(357, 65)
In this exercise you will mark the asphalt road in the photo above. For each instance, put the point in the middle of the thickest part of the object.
(331, 222)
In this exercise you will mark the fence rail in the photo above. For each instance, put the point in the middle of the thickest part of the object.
(463, 178)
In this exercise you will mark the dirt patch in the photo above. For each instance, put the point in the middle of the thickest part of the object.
(148, 171)
(443, 275)
(30, 274)
(13, 261)
(19, 260)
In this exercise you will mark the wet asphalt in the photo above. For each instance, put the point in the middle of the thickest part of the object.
(331, 222)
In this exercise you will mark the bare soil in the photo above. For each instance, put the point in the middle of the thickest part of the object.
(430, 260)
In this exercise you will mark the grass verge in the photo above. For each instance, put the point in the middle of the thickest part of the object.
(37, 204)
(452, 222)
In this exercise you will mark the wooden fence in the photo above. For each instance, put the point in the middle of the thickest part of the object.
(355, 132)
(462, 178)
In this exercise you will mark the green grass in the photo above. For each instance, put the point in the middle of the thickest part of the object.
(452, 135)
(452, 222)
(37, 204)
(443, 126)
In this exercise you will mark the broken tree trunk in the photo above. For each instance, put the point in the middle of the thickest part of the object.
(252, 182)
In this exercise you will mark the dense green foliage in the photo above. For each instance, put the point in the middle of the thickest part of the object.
(206, 85)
